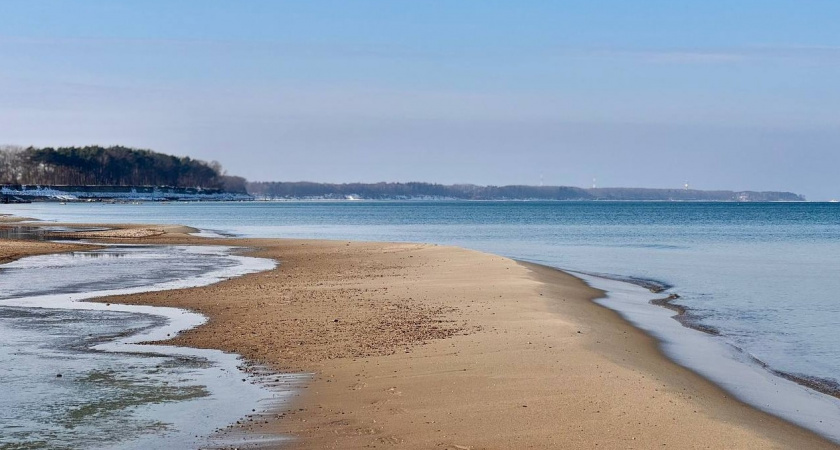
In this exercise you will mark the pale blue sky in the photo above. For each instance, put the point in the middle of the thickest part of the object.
(723, 94)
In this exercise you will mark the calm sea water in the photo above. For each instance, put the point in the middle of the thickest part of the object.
(765, 276)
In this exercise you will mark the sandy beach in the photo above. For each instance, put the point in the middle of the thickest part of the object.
(425, 346)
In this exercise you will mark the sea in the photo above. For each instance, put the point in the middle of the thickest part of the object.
(758, 283)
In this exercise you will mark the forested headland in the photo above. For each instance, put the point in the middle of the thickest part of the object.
(123, 172)
(110, 166)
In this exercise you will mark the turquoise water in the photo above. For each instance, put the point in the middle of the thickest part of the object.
(764, 276)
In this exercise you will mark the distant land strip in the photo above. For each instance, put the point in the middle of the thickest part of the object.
(430, 191)
(118, 173)
(377, 191)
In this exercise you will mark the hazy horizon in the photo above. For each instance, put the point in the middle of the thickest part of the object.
(644, 94)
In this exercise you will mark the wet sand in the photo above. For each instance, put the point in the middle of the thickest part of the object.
(424, 346)
(11, 250)
(9, 218)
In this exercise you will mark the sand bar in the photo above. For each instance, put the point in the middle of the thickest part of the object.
(11, 250)
(424, 346)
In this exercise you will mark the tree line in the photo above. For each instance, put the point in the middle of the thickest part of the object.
(384, 191)
(396, 191)
(110, 166)
(124, 166)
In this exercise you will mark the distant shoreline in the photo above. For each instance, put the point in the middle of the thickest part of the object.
(30, 193)
(298, 191)
(374, 191)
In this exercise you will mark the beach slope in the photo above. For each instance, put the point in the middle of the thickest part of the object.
(424, 346)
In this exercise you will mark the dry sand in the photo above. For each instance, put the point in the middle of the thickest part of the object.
(422, 346)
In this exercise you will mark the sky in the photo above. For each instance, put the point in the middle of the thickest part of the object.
(736, 94)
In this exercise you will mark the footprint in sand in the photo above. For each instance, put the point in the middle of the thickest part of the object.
(393, 391)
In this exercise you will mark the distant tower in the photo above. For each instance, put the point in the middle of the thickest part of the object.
(685, 186)
(594, 183)
(541, 180)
